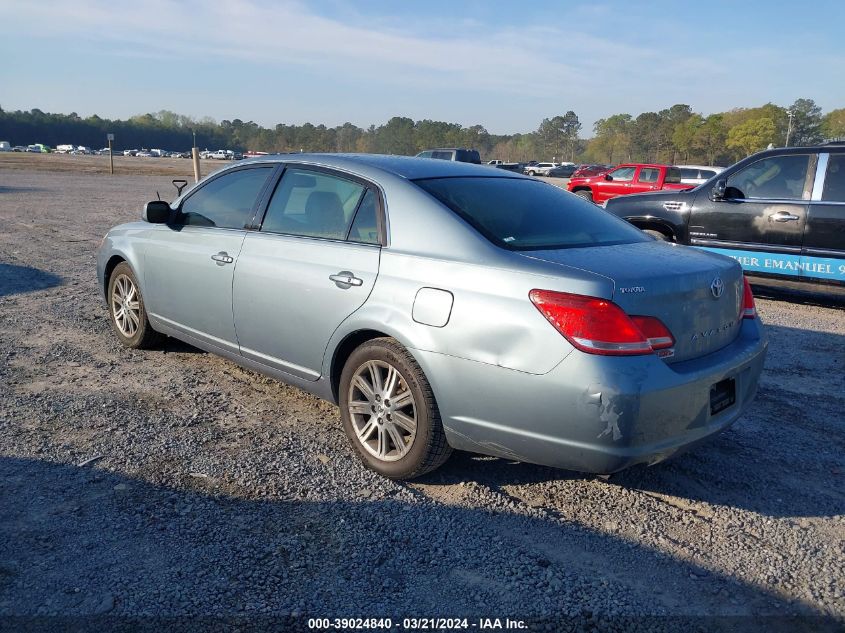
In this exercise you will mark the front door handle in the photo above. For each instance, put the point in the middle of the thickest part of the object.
(783, 216)
(345, 279)
(222, 258)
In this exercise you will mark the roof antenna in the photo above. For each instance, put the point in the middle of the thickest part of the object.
(158, 195)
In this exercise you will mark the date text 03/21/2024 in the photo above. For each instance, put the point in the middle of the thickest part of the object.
(416, 624)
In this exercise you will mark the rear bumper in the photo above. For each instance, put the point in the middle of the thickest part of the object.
(597, 414)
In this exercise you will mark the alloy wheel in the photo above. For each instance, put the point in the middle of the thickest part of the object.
(382, 410)
(125, 306)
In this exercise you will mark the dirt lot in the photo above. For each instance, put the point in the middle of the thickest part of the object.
(174, 483)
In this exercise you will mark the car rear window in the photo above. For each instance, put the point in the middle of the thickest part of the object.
(525, 214)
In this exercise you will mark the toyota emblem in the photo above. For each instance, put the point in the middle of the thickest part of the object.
(717, 287)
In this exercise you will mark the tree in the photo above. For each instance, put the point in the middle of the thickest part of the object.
(612, 136)
(685, 136)
(806, 123)
(710, 137)
(833, 124)
(752, 136)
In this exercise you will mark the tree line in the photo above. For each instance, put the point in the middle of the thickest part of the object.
(674, 135)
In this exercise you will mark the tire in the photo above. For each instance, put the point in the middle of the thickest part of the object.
(657, 235)
(396, 430)
(532, 173)
(587, 195)
(127, 316)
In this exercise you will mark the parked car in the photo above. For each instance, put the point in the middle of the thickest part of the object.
(459, 154)
(586, 171)
(19, 148)
(444, 305)
(562, 171)
(626, 179)
(222, 154)
(500, 164)
(5, 146)
(779, 213)
(144, 153)
(697, 174)
(539, 169)
(130, 152)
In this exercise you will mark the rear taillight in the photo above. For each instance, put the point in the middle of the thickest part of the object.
(749, 308)
(599, 326)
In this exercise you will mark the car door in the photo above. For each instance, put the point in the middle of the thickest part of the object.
(823, 254)
(312, 263)
(189, 263)
(647, 180)
(761, 218)
(617, 182)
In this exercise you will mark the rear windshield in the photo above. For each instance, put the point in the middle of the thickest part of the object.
(525, 214)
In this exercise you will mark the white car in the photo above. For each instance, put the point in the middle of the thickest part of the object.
(540, 169)
(697, 174)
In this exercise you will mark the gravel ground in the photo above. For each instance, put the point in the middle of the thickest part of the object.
(174, 483)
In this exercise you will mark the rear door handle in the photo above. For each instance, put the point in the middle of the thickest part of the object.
(222, 258)
(783, 216)
(345, 279)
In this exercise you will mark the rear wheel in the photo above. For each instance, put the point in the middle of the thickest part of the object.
(126, 310)
(584, 193)
(389, 412)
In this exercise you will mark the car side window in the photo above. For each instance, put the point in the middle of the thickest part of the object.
(649, 174)
(225, 202)
(623, 174)
(312, 204)
(777, 178)
(442, 155)
(365, 226)
(673, 176)
(834, 180)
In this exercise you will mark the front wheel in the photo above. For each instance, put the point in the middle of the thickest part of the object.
(389, 412)
(127, 314)
(658, 235)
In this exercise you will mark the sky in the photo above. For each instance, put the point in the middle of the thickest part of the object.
(504, 65)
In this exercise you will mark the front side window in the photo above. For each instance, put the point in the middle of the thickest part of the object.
(777, 178)
(227, 201)
(649, 174)
(518, 214)
(834, 180)
(623, 174)
(312, 204)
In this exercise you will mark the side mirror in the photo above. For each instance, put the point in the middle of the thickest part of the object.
(719, 189)
(608, 177)
(157, 212)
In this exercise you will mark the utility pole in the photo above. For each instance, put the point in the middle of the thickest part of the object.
(195, 157)
(110, 138)
(791, 114)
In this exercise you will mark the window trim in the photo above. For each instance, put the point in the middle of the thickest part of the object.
(381, 207)
(177, 211)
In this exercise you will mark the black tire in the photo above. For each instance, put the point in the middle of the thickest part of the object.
(658, 235)
(143, 336)
(587, 195)
(427, 449)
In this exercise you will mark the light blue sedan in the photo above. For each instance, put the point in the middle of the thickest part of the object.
(443, 306)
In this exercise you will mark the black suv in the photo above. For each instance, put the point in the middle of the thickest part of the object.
(780, 213)
(453, 153)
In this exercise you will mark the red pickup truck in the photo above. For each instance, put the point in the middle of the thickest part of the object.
(625, 179)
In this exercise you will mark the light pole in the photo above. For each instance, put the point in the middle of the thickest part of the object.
(790, 114)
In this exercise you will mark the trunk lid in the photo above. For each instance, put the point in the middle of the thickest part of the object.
(676, 284)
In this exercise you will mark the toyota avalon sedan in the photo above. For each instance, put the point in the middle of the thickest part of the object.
(444, 305)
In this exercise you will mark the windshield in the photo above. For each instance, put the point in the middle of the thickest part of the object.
(525, 214)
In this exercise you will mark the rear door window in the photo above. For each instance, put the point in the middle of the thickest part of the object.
(312, 204)
(649, 174)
